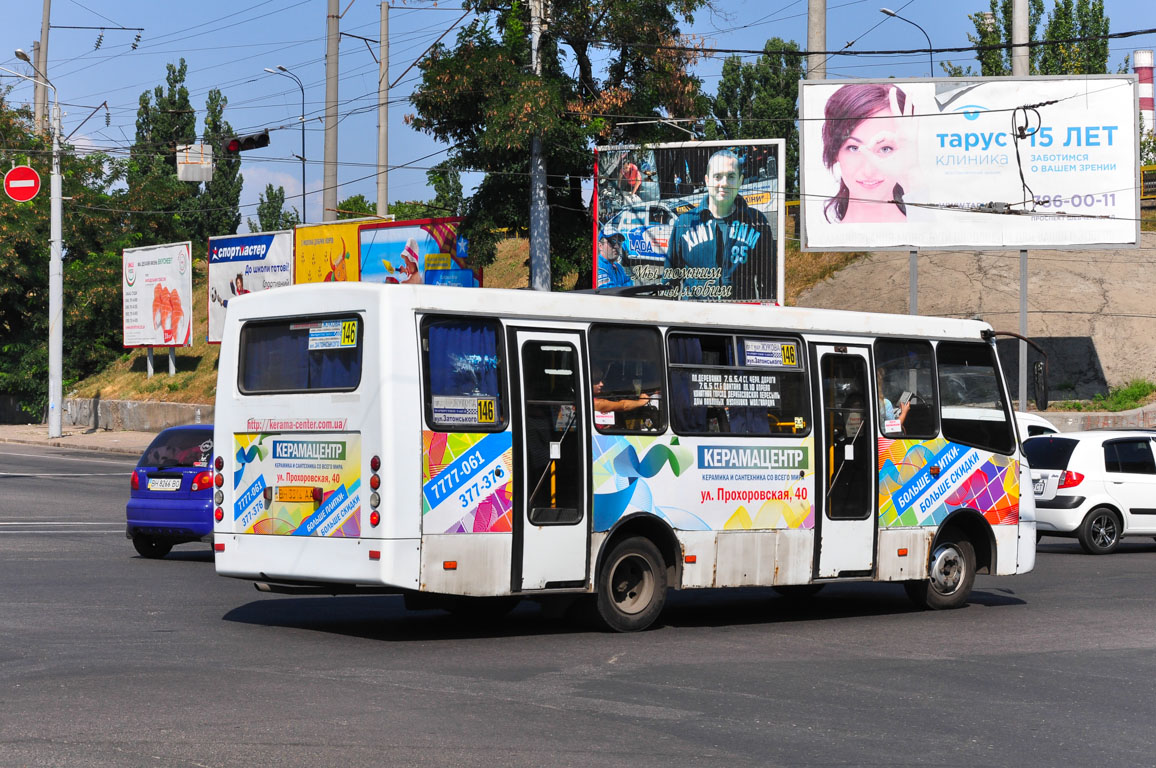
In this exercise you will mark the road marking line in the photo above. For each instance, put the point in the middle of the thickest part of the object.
(69, 458)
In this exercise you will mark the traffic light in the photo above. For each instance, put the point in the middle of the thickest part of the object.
(248, 141)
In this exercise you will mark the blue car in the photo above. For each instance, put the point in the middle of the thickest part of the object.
(171, 501)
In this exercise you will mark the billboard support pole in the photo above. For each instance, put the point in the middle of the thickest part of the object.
(913, 283)
(149, 363)
(172, 362)
(1023, 329)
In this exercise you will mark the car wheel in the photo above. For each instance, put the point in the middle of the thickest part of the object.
(631, 586)
(1099, 534)
(150, 546)
(951, 573)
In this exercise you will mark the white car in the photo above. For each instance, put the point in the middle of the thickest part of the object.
(1098, 486)
(1032, 424)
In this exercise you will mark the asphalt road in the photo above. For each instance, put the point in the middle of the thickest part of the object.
(108, 659)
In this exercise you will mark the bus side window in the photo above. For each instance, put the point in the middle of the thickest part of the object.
(626, 379)
(974, 410)
(905, 389)
(464, 366)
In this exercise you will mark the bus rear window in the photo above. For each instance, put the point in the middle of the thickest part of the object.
(300, 355)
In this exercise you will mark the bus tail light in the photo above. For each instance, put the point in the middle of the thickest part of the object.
(219, 514)
(202, 480)
(374, 518)
(375, 554)
(219, 463)
(219, 546)
(135, 482)
(375, 481)
(375, 463)
(1071, 480)
(219, 481)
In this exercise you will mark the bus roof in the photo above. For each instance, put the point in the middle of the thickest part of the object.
(574, 306)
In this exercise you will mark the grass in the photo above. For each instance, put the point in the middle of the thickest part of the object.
(1134, 394)
(1148, 220)
(196, 377)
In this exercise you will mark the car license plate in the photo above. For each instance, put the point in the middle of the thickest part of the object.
(1039, 486)
(293, 494)
(164, 483)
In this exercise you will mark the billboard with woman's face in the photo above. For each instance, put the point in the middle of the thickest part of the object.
(701, 219)
(998, 163)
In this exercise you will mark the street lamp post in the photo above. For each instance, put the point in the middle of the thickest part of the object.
(280, 70)
(930, 58)
(55, 263)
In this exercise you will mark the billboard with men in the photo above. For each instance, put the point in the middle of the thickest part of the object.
(991, 163)
(702, 219)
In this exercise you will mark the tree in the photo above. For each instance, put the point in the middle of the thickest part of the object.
(219, 211)
(1068, 19)
(271, 212)
(758, 101)
(92, 234)
(354, 207)
(601, 59)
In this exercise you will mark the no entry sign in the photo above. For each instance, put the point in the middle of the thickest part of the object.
(22, 183)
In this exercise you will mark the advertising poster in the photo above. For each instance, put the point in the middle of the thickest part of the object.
(467, 482)
(240, 264)
(937, 163)
(704, 485)
(703, 219)
(157, 295)
(298, 484)
(325, 253)
(420, 251)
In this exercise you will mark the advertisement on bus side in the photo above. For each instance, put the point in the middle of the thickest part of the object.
(700, 485)
(297, 484)
(912, 493)
(467, 482)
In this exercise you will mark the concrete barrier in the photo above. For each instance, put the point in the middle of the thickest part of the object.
(131, 415)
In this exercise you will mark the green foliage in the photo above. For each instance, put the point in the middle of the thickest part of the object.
(1132, 395)
(91, 236)
(271, 212)
(758, 101)
(355, 207)
(1068, 19)
(481, 97)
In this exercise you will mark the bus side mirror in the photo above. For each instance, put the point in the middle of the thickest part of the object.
(1040, 374)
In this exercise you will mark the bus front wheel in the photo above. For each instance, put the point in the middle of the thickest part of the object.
(631, 586)
(951, 573)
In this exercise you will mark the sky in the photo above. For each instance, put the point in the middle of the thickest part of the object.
(228, 45)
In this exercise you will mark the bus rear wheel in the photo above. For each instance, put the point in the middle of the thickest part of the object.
(631, 586)
(951, 573)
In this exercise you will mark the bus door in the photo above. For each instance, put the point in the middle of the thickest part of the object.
(846, 537)
(552, 526)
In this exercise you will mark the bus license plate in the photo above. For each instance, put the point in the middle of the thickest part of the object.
(164, 483)
(293, 494)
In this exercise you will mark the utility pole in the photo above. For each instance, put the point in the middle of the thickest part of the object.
(40, 56)
(1021, 68)
(383, 115)
(329, 186)
(816, 39)
(539, 211)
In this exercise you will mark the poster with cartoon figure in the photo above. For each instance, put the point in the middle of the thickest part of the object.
(240, 264)
(157, 295)
(327, 253)
(413, 252)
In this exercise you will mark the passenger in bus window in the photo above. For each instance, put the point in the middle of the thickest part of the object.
(606, 408)
(893, 414)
